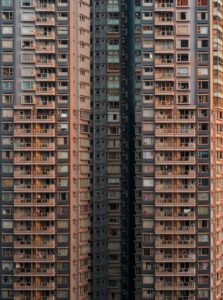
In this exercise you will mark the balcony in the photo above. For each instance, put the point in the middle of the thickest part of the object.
(176, 174)
(175, 132)
(163, 5)
(188, 202)
(34, 188)
(34, 216)
(175, 146)
(45, 77)
(168, 104)
(32, 230)
(45, 63)
(190, 257)
(175, 244)
(44, 132)
(170, 118)
(181, 216)
(42, 48)
(164, 62)
(175, 271)
(176, 188)
(45, 21)
(31, 118)
(45, 7)
(165, 20)
(42, 90)
(175, 160)
(34, 258)
(34, 174)
(173, 286)
(164, 90)
(45, 104)
(34, 244)
(175, 229)
(165, 76)
(42, 35)
(34, 286)
(164, 34)
(34, 146)
(33, 202)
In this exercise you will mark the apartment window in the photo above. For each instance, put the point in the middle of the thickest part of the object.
(7, 15)
(7, 71)
(7, 3)
(183, 71)
(202, 71)
(62, 238)
(62, 224)
(28, 71)
(183, 43)
(182, 57)
(203, 99)
(7, 30)
(62, 30)
(202, 16)
(183, 99)
(148, 182)
(183, 85)
(203, 154)
(182, 16)
(27, 16)
(203, 85)
(183, 29)
(202, 43)
(28, 29)
(202, 2)
(28, 57)
(148, 154)
(7, 44)
(203, 57)
(7, 57)
(62, 16)
(203, 182)
(202, 29)
(203, 294)
(203, 210)
(27, 85)
(26, 3)
(182, 2)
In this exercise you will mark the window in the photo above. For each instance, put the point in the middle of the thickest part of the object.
(202, 2)
(202, 30)
(183, 71)
(7, 44)
(28, 29)
(148, 182)
(183, 29)
(182, 57)
(202, 43)
(183, 43)
(26, 3)
(182, 16)
(202, 71)
(7, 3)
(27, 16)
(182, 2)
(7, 30)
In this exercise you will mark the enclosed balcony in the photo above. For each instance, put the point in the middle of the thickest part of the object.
(45, 6)
(165, 32)
(164, 5)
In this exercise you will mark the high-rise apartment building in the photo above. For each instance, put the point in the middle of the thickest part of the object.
(157, 98)
(111, 186)
(45, 142)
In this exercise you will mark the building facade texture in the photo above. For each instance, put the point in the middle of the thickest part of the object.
(111, 149)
